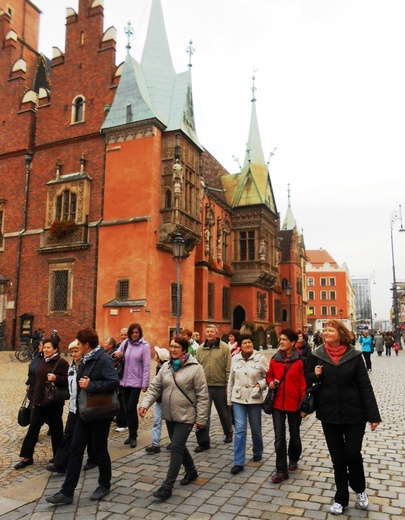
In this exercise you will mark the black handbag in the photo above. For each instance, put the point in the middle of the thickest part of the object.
(120, 362)
(24, 413)
(267, 405)
(309, 401)
(53, 393)
(97, 406)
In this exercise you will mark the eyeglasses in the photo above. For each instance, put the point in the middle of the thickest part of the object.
(175, 347)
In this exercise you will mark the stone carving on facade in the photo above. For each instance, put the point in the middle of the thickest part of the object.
(177, 178)
(262, 250)
(207, 236)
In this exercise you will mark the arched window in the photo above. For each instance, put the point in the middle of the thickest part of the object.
(168, 199)
(78, 110)
(66, 206)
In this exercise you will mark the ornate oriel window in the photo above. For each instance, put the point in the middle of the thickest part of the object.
(247, 245)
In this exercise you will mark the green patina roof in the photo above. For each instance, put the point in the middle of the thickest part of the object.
(152, 88)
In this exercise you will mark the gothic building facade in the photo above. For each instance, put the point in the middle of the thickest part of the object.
(100, 169)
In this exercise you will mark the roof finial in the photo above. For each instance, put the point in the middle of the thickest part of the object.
(129, 31)
(253, 89)
(248, 150)
(190, 51)
(289, 193)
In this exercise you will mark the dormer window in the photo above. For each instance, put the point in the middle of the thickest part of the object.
(78, 110)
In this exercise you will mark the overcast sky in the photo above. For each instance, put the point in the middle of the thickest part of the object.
(330, 81)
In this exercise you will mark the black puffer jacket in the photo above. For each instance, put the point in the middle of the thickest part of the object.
(345, 395)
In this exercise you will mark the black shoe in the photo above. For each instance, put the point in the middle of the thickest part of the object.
(51, 461)
(132, 443)
(59, 499)
(89, 465)
(228, 438)
(99, 493)
(169, 446)
(163, 493)
(128, 441)
(236, 469)
(53, 469)
(152, 449)
(24, 463)
(188, 478)
(257, 458)
(200, 449)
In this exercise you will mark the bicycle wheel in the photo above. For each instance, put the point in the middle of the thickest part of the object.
(23, 354)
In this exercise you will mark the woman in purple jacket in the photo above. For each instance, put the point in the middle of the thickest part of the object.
(137, 354)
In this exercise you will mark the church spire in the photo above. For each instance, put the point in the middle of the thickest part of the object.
(254, 151)
(289, 221)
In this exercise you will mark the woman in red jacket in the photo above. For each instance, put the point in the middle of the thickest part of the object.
(286, 371)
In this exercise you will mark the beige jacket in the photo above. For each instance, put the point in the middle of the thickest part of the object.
(216, 362)
(244, 376)
(175, 406)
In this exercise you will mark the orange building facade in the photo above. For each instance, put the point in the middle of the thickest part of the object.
(106, 169)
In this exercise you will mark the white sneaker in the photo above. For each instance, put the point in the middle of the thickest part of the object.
(362, 500)
(336, 509)
(121, 429)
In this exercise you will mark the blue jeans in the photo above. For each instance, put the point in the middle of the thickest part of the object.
(241, 413)
(157, 425)
(280, 440)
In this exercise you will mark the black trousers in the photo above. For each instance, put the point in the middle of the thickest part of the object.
(53, 414)
(344, 444)
(280, 438)
(96, 433)
(179, 454)
(217, 394)
(130, 398)
(63, 452)
(367, 359)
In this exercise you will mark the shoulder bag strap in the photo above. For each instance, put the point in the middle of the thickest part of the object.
(181, 390)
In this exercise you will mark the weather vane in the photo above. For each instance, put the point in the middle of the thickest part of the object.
(190, 51)
(253, 85)
(129, 31)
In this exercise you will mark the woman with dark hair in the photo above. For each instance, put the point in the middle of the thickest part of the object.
(233, 343)
(96, 375)
(51, 367)
(136, 352)
(182, 385)
(345, 403)
(286, 373)
(246, 383)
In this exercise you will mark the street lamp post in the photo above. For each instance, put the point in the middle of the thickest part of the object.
(288, 290)
(341, 314)
(395, 215)
(179, 247)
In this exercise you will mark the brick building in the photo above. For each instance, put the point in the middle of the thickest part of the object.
(330, 290)
(100, 168)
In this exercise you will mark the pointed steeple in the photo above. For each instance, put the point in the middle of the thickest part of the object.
(152, 88)
(252, 185)
(289, 221)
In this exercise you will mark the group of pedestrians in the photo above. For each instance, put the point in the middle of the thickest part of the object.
(234, 377)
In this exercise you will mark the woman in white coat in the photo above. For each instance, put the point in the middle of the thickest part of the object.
(246, 386)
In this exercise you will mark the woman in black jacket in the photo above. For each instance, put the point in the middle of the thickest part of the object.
(96, 375)
(50, 367)
(345, 403)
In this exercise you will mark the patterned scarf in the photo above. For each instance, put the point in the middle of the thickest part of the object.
(179, 362)
(88, 356)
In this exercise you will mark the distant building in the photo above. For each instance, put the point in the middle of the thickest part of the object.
(330, 290)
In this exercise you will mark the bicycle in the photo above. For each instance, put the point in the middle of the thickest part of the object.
(26, 352)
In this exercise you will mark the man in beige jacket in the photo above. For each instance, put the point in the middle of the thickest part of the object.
(215, 358)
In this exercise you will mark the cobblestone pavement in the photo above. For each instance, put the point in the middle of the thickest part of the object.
(216, 494)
